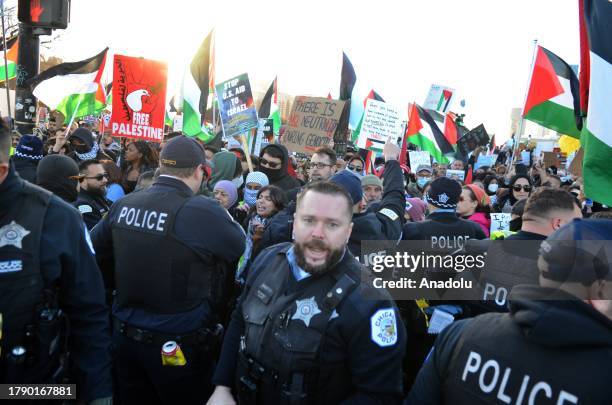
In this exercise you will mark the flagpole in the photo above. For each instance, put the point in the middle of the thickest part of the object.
(6, 79)
(73, 115)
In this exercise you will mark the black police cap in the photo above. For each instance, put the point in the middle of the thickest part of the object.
(182, 152)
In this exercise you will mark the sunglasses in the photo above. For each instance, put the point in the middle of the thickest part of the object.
(267, 163)
(518, 187)
(319, 166)
(355, 168)
(99, 177)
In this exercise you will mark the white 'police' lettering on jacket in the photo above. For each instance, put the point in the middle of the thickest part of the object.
(143, 219)
(493, 379)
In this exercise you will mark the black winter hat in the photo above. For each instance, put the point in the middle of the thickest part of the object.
(84, 135)
(444, 193)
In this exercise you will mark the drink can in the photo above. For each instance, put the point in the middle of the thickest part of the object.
(172, 355)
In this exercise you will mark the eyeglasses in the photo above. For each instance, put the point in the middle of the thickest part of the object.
(267, 163)
(518, 187)
(99, 177)
(355, 168)
(319, 165)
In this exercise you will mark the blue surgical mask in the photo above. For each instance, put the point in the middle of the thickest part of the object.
(421, 181)
(493, 187)
(250, 197)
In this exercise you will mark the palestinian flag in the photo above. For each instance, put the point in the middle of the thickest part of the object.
(445, 99)
(72, 88)
(351, 89)
(596, 139)
(109, 96)
(450, 128)
(196, 88)
(168, 120)
(424, 132)
(270, 108)
(553, 99)
(12, 49)
(373, 95)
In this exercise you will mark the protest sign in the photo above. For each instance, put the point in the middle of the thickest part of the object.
(485, 160)
(471, 140)
(418, 158)
(381, 121)
(236, 106)
(526, 157)
(575, 167)
(265, 129)
(139, 98)
(456, 174)
(177, 123)
(550, 159)
(439, 98)
(500, 222)
(312, 123)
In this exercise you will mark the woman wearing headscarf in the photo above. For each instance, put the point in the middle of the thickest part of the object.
(253, 183)
(225, 166)
(474, 206)
(226, 193)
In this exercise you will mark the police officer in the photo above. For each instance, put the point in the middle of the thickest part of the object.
(382, 221)
(91, 201)
(302, 332)
(447, 233)
(172, 250)
(555, 345)
(47, 273)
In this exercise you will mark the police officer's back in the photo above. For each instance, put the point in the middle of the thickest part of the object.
(48, 272)
(302, 332)
(172, 250)
(555, 344)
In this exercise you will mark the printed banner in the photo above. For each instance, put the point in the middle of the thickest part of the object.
(139, 98)
(312, 123)
(236, 106)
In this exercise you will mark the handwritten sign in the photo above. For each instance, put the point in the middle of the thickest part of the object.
(500, 222)
(439, 98)
(418, 158)
(236, 106)
(455, 174)
(381, 121)
(312, 123)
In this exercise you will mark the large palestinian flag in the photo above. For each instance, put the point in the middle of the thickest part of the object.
(553, 99)
(72, 88)
(12, 49)
(596, 20)
(425, 133)
(351, 88)
(197, 84)
(270, 108)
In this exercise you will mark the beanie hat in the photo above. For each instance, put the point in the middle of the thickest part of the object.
(371, 180)
(481, 196)
(30, 147)
(257, 177)
(579, 251)
(350, 182)
(84, 135)
(230, 189)
(416, 207)
(443, 193)
(58, 174)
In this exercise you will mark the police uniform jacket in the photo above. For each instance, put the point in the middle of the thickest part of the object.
(91, 207)
(544, 351)
(65, 259)
(354, 350)
(446, 225)
(168, 284)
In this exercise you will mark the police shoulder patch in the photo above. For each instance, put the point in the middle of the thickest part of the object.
(389, 213)
(85, 209)
(383, 327)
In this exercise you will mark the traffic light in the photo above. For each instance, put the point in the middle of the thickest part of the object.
(44, 13)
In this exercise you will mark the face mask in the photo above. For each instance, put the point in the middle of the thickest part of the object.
(516, 224)
(493, 187)
(421, 181)
(250, 197)
(238, 181)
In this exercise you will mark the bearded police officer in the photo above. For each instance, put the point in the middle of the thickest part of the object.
(303, 333)
(172, 250)
(555, 344)
(48, 272)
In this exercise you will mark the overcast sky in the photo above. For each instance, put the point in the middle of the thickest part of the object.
(481, 48)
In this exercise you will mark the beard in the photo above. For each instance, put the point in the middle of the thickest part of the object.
(333, 256)
(97, 191)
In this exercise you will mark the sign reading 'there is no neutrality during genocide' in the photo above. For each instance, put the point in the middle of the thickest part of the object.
(312, 123)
